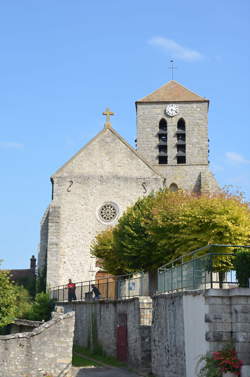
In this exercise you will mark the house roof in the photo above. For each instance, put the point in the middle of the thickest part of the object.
(172, 91)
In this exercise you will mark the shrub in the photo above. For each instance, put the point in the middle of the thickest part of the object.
(242, 267)
(8, 307)
(41, 308)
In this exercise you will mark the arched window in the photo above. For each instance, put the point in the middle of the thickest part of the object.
(173, 187)
(181, 141)
(163, 142)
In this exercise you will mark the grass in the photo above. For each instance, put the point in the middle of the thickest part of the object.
(78, 361)
(98, 356)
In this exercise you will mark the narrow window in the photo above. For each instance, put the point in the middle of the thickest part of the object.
(181, 141)
(163, 142)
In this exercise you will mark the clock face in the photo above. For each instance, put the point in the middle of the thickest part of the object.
(172, 110)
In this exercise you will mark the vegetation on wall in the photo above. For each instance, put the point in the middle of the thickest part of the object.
(8, 305)
(242, 267)
(41, 308)
(160, 227)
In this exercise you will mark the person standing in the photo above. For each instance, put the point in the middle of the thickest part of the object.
(71, 291)
(96, 292)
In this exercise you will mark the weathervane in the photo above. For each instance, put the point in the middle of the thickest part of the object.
(172, 68)
(107, 112)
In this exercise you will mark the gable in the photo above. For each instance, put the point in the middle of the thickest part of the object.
(107, 154)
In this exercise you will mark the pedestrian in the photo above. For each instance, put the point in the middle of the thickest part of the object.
(71, 291)
(96, 292)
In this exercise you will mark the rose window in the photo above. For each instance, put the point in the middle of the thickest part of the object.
(108, 212)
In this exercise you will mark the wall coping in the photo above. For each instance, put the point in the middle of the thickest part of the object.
(228, 292)
(27, 322)
(39, 329)
(106, 301)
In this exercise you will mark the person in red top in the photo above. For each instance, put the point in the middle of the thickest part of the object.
(71, 291)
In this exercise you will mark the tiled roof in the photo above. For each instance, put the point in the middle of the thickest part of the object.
(173, 92)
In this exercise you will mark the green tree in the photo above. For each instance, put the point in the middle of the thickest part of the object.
(163, 226)
(23, 301)
(8, 305)
(103, 248)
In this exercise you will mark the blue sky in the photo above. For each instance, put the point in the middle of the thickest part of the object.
(63, 62)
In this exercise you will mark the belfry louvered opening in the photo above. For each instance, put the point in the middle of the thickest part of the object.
(181, 142)
(163, 142)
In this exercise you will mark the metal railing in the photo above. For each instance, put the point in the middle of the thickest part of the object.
(203, 268)
(115, 287)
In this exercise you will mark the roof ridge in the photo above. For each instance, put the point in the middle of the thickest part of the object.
(134, 151)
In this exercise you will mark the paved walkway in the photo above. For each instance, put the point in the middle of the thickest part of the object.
(103, 372)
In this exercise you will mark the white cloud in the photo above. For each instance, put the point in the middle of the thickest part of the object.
(10, 145)
(236, 157)
(175, 49)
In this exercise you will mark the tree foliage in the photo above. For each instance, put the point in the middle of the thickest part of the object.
(165, 225)
(41, 308)
(242, 266)
(8, 305)
(23, 301)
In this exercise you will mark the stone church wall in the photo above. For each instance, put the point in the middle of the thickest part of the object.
(44, 233)
(47, 349)
(106, 170)
(96, 327)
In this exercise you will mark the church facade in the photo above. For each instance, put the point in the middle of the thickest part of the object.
(91, 191)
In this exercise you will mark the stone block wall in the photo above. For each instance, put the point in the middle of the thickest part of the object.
(195, 116)
(47, 349)
(190, 324)
(97, 322)
(228, 320)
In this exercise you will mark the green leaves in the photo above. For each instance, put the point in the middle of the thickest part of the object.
(8, 304)
(41, 308)
(242, 266)
(165, 225)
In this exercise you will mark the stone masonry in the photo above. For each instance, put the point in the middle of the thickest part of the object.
(228, 320)
(45, 350)
(97, 322)
(118, 176)
(190, 324)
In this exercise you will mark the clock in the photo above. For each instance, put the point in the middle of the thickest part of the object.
(172, 110)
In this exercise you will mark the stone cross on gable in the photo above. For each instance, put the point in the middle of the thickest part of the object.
(108, 113)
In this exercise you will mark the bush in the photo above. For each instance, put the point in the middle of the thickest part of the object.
(242, 267)
(8, 307)
(41, 308)
(23, 302)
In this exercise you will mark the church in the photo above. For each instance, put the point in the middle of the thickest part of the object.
(93, 188)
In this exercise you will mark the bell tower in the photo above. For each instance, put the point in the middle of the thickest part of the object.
(172, 134)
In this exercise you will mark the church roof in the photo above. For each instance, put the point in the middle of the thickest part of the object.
(172, 91)
(116, 134)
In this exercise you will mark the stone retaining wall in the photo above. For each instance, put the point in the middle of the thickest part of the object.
(189, 324)
(47, 349)
(97, 327)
